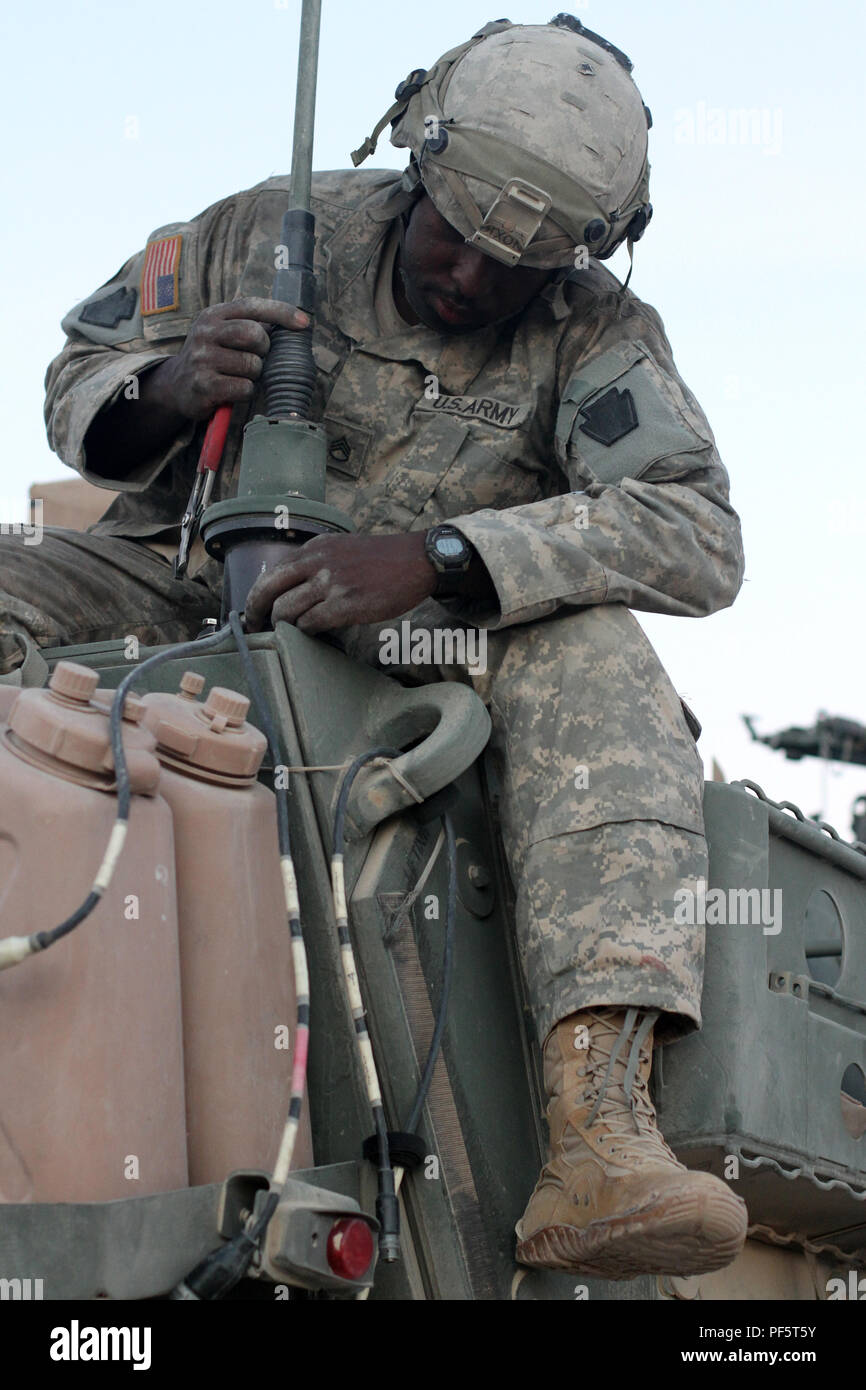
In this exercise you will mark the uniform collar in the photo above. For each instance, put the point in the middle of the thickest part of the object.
(352, 257)
(554, 295)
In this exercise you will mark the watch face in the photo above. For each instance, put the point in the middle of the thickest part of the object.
(448, 546)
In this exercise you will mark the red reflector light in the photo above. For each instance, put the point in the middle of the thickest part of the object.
(350, 1247)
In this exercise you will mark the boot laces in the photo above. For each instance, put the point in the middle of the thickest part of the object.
(620, 1094)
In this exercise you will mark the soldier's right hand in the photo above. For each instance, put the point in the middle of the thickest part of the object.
(223, 356)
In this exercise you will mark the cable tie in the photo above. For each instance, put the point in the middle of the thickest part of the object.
(404, 783)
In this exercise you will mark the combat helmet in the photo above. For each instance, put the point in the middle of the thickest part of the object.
(531, 140)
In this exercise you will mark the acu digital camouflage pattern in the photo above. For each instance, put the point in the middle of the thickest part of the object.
(572, 681)
(600, 811)
(77, 588)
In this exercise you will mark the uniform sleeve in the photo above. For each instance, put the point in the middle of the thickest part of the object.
(648, 521)
(136, 320)
(82, 381)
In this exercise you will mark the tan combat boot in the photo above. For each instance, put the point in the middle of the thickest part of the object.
(613, 1201)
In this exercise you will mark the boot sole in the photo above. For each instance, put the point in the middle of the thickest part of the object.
(681, 1234)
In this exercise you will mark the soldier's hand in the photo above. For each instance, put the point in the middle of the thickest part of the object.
(223, 356)
(338, 581)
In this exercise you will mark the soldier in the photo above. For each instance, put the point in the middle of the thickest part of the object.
(511, 437)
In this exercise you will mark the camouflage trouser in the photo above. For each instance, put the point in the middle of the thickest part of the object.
(74, 588)
(601, 814)
(600, 783)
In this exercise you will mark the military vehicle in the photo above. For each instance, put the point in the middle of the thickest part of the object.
(422, 1130)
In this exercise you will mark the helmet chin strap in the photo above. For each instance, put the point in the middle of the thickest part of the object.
(630, 248)
(403, 220)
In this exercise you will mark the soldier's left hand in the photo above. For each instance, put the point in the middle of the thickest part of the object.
(338, 581)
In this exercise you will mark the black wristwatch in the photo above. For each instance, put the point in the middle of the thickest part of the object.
(450, 554)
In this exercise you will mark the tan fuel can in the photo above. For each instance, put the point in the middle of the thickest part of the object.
(237, 981)
(91, 1049)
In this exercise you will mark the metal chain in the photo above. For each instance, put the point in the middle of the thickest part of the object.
(830, 830)
(798, 1238)
(810, 1246)
(826, 1184)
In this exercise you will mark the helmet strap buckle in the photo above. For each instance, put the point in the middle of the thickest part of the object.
(512, 221)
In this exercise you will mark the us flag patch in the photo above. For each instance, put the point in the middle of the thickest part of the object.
(159, 288)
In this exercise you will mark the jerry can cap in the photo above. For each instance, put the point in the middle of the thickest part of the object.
(210, 737)
(65, 728)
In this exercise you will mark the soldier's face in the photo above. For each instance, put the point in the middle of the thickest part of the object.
(452, 287)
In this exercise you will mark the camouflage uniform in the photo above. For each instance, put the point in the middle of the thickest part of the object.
(578, 515)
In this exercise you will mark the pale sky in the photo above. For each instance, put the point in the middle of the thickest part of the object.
(120, 117)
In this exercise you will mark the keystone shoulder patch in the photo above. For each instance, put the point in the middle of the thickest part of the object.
(611, 417)
(159, 275)
(504, 414)
(108, 312)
